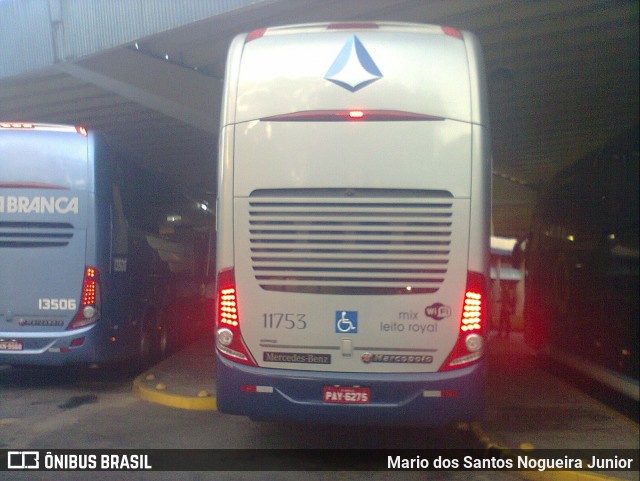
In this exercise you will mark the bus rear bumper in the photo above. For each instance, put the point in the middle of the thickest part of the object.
(86, 345)
(394, 399)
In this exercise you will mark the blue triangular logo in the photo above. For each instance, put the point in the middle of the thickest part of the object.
(353, 68)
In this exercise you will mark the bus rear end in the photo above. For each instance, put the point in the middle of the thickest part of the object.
(49, 286)
(353, 219)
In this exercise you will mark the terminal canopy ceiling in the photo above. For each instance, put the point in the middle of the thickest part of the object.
(562, 77)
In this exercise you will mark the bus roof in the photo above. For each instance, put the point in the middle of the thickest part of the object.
(421, 69)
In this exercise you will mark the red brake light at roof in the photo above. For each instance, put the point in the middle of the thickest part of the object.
(351, 25)
(16, 125)
(354, 114)
(255, 34)
(44, 127)
(452, 32)
(31, 185)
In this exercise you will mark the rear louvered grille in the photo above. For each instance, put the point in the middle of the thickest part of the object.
(350, 246)
(35, 234)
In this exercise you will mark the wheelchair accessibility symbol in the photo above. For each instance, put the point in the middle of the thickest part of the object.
(347, 322)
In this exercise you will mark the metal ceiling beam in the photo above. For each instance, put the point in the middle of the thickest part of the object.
(180, 93)
(42, 33)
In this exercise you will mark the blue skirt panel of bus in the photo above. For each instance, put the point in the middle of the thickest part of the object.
(395, 399)
(91, 345)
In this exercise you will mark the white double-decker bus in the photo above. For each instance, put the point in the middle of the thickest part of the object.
(353, 225)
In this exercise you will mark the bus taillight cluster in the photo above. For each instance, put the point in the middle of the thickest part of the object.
(228, 337)
(89, 309)
(470, 344)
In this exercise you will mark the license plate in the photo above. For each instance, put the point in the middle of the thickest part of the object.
(10, 346)
(346, 395)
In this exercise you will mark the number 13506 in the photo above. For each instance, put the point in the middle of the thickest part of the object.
(47, 304)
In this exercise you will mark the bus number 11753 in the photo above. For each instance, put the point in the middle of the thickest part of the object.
(288, 320)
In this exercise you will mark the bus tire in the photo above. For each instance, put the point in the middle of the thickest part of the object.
(560, 294)
(163, 342)
(536, 318)
(147, 341)
(145, 347)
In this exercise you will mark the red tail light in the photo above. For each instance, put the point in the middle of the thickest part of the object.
(255, 34)
(351, 25)
(355, 114)
(470, 345)
(452, 32)
(228, 337)
(31, 185)
(16, 125)
(89, 308)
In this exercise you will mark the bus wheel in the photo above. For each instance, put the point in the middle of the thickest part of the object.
(163, 343)
(145, 350)
(536, 318)
(561, 290)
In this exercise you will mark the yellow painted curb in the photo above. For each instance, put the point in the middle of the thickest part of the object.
(150, 393)
(477, 430)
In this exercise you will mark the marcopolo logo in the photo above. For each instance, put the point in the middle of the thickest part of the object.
(369, 357)
(22, 204)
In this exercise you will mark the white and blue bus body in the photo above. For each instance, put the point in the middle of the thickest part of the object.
(353, 225)
(78, 281)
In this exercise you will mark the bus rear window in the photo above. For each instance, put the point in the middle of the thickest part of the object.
(39, 160)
